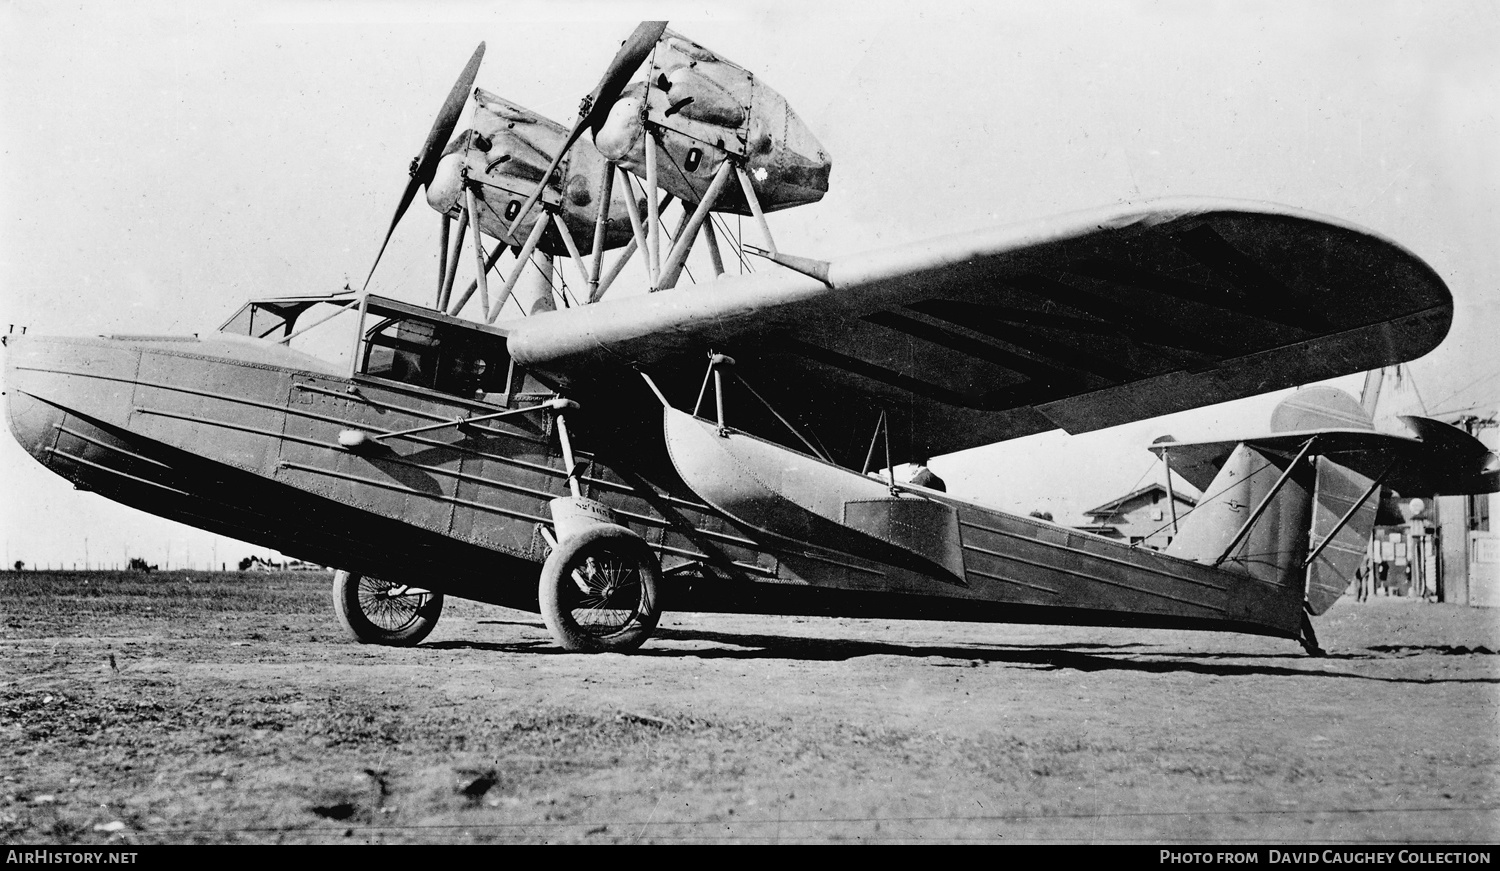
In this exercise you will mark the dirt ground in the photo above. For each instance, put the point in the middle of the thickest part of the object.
(230, 708)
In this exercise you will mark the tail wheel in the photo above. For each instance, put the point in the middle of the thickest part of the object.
(599, 591)
(376, 611)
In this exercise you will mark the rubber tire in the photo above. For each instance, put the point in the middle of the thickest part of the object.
(351, 613)
(558, 593)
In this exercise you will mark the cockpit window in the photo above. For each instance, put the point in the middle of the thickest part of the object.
(322, 327)
(265, 320)
(427, 350)
(440, 357)
(404, 351)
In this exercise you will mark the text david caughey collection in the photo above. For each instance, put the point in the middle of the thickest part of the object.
(1327, 857)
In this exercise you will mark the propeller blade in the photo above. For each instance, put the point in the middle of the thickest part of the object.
(597, 104)
(425, 163)
(627, 60)
(447, 117)
(406, 198)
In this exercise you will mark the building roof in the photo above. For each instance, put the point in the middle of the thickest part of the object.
(1114, 505)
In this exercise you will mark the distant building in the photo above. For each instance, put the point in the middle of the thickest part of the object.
(1445, 548)
(256, 564)
(1142, 517)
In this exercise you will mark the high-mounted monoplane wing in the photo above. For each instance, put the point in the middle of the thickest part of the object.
(1079, 322)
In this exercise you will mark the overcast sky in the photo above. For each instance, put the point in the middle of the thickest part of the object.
(164, 161)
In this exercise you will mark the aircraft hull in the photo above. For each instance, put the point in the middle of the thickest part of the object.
(245, 443)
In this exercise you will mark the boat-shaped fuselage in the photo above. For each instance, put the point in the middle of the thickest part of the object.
(433, 459)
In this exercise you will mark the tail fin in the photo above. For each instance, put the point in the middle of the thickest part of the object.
(1238, 529)
(1275, 500)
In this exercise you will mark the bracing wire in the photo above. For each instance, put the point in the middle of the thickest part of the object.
(1490, 376)
(733, 238)
(1421, 403)
(660, 219)
(1207, 498)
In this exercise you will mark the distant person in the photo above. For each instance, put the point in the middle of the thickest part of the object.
(924, 477)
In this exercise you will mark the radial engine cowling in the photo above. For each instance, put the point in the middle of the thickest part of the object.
(506, 152)
(709, 109)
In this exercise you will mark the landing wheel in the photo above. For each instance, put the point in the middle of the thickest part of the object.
(599, 591)
(374, 611)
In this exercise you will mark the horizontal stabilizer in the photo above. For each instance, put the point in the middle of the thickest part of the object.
(1436, 459)
(1295, 506)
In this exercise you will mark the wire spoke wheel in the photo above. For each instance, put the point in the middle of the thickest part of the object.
(598, 591)
(609, 591)
(377, 611)
(388, 605)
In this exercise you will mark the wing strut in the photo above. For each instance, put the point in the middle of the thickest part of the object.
(479, 260)
(638, 241)
(442, 277)
(522, 259)
(450, 257)
(489, 264)
(1171, 496)
(688, 233)
(755, 209)
(882, 433)
(719, 362)
(606, 190)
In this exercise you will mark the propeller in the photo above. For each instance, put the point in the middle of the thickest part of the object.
(425, 163)
(595, 107)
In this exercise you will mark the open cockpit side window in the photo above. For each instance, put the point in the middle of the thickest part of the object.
(402, 350)
(321, 327)
(442, 357)
(275, 319)
(393, 341)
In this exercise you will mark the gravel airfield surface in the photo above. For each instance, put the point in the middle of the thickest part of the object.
(230, 708)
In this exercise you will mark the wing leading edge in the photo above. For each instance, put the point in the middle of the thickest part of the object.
(1079, 322)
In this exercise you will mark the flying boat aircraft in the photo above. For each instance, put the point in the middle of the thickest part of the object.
(729, 444)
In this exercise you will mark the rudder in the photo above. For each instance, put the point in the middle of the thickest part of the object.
(1312, 516)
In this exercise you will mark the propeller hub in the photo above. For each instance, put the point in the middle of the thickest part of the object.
(447, 184)
(622, 131)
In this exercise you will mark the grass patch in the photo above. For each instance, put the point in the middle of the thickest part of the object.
(47, 595)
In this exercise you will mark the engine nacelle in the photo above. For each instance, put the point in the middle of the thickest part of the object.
(707, 110)
(506, 151)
